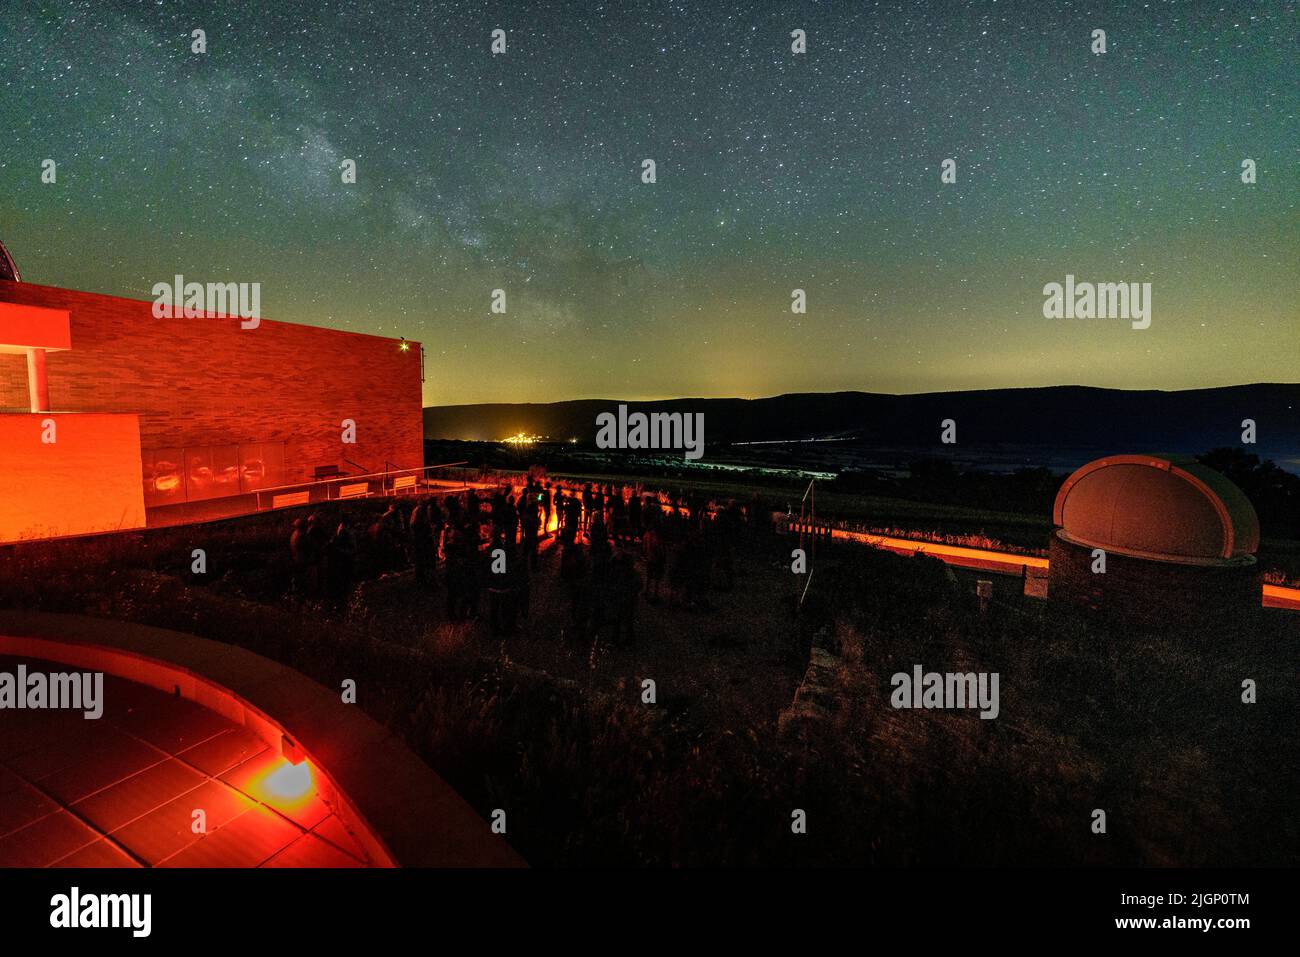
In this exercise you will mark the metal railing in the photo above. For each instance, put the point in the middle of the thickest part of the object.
(378, 484)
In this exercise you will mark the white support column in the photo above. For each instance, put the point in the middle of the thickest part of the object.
(38, 386)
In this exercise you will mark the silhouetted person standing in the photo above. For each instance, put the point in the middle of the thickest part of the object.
(436, 522)
(574, 524)
(501, 580)
(423, 549)
(392, 539)
(530, 517)
(300, 552)
(656, 558)
(317, 541)
(573, 572)
(342, 563)
(624, 590)
(634, 516)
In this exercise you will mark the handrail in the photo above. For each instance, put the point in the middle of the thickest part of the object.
(356, 478)
(812, 519)
(383, 478)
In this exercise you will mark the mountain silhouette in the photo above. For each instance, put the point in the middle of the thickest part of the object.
(1192, 420)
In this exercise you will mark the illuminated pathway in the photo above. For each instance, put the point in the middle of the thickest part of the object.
(1006, 563)
(980, 558)
(1276, 596)
(122, 790)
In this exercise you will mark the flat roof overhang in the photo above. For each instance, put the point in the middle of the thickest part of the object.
(34, 327)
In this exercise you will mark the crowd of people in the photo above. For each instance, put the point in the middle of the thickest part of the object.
(324, 561)
(617, 546)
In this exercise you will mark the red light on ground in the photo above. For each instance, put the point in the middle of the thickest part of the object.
(288, 782)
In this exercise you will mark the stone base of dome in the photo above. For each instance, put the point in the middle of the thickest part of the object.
(1152, 592)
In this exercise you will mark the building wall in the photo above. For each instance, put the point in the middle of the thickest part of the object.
(204, 383)
(86, 480)
(1154, 593)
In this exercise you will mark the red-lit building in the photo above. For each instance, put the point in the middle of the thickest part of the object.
(108, 413)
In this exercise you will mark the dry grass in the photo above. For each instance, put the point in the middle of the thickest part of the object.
(1147, 726)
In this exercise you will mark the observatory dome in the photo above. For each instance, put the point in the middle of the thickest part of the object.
(7, 268)
(1160, 507)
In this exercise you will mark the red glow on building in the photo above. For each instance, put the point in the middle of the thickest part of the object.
(193, 410)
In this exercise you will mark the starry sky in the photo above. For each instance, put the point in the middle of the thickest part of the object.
(775, 171)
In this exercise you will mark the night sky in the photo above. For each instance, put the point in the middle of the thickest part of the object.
(775, 171)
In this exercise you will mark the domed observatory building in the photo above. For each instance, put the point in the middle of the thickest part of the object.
(8, 270)
(1179, 541)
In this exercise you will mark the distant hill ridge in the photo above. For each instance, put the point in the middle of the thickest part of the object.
(1190, 420)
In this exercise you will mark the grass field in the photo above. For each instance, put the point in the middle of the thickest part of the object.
(1149, 727)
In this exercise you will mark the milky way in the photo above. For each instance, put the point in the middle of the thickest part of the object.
(775, 171)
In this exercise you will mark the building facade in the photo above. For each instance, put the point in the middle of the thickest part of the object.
(218, 409)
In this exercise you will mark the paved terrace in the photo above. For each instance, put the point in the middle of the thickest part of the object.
(121, 790)
(192, 724)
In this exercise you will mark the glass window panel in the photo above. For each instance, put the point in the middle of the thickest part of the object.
(198, 474)
(164, 482)
(225, 470)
